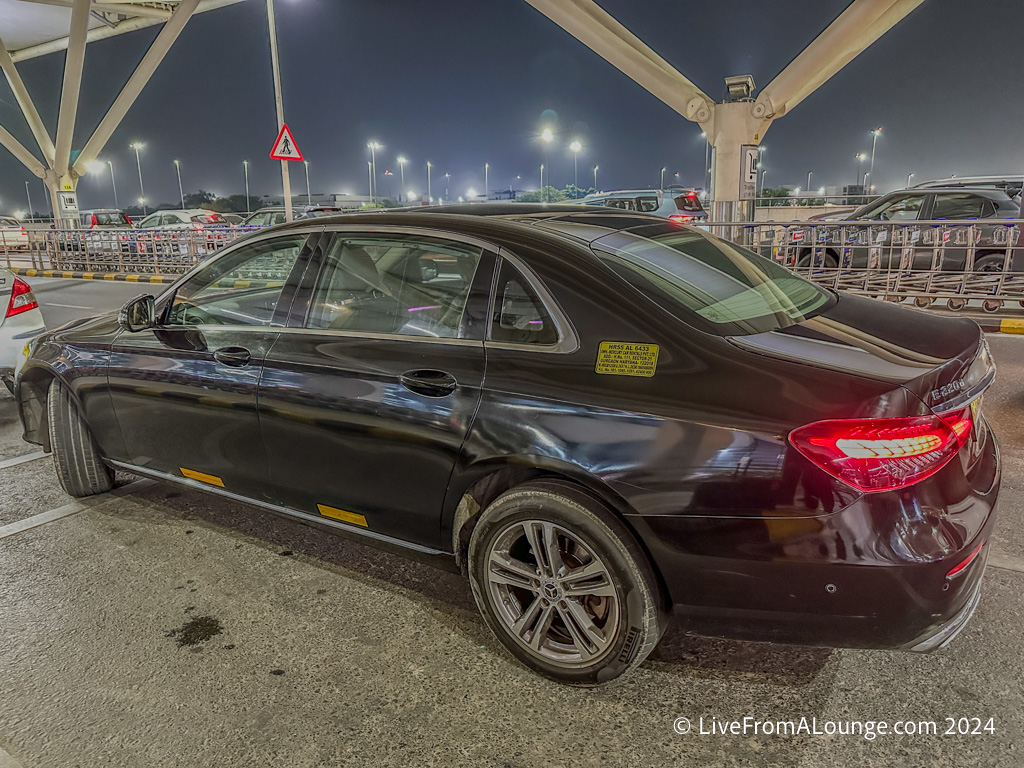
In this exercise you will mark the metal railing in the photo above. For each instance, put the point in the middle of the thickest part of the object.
(122, 250)
(958, 264)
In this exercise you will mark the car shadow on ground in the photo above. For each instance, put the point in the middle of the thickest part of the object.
(450, 596)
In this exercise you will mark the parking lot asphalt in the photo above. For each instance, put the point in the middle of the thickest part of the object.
(158, 626)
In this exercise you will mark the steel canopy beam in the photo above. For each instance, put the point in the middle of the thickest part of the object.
(598, 30)
(16, 148)
(28, 107)
(140, 77)
(856, 28)
(73, 66)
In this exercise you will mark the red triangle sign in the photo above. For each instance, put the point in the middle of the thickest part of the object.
(285, 147)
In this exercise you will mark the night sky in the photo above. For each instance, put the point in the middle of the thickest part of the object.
(462, 83)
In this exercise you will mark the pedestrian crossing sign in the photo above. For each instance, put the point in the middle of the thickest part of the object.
(285, 147)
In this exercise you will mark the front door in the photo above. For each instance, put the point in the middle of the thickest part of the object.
(366, 400)
(184, 393)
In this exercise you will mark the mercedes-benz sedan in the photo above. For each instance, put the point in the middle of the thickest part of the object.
(600, 417)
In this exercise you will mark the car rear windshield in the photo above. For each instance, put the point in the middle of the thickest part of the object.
(209, 218)
(689, 202)
(710, 283)
(116, 219)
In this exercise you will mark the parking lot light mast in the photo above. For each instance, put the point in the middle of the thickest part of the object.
(401, 171)
(909, 177)
(542, 182)
(142, 192)
(874, 138)
(181, 192)
(860, 157)
(575, 147)
(309, 195)
(369, 175)
(373, 146)
(29, 195)
(245, 168)
(809, 174)
(447, 180)
(275, 63)
(662, 179)
(113, 185)
(429, 193)
(546, 137)
(487, 169)
(595, 177)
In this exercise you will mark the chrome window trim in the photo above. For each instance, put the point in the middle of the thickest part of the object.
(371, 336)
(568, 340)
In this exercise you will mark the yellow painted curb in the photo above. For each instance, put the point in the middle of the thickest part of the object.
(1011, 325)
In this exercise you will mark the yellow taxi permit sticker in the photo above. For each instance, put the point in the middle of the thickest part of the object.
(341, 514)
(202, 477)
(621, 358)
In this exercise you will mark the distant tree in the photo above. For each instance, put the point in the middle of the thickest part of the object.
(775, 196)
(547, 194)
(572, 192)
(198, 199)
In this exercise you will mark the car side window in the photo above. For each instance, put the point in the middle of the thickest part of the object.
(408, 285)
(648, 204)
(907, 208)
(959, 206)
(150, 221)
(623, 203)
(519, 315)
(240, 288)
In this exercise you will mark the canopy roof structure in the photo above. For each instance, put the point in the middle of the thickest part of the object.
(30, 28)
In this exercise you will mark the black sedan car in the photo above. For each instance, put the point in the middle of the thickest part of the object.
(600, 417)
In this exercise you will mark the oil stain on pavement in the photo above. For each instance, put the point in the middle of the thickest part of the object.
(198, 630)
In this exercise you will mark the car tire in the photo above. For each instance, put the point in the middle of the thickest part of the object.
(76, 457)
(823, 260)
(992, 262)
(582, 639)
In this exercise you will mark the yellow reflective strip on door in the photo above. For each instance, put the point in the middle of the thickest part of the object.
(341, 514)
(201, 477)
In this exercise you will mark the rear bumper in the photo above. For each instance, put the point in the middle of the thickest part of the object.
(872, 575)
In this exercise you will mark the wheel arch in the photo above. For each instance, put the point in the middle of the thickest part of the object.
(33, 387)
(483, 482)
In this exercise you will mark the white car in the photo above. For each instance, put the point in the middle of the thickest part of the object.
(20, 321)
(13, 236)
(190, 218)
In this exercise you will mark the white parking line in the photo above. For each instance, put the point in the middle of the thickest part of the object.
(22, 460)
(73, 508)
(6, 761)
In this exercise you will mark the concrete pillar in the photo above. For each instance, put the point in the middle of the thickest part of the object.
(731, 126)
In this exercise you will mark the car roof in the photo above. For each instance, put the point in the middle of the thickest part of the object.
(500, 220)
(990, 192)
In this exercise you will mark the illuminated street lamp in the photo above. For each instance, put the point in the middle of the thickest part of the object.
(487, 170)
(874, 138)
(373, 146)
(542, 182)
(595, 177)
(860, 157)
(389, 174)
(401, 170)
(309, 195)
(181, 192)
(909, 177)
(809, 174)
(575, 147)
(142, 191)
(245, 169)
(429, 193)
(662, 178)
(447, 181)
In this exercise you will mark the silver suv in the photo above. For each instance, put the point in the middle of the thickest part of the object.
(675, 204)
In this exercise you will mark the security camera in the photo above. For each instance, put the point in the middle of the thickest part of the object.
(739, 87)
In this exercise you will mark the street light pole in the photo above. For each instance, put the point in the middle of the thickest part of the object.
(181, 192)
(447, 180)
(662, 178)
(275, 64)
(373, 146)
(309, 195)
(867, 189)
(575, 147)
(542, 183)
(874, 138)
(429, 193)
(245, 168)
(595, 177)
(142, 191)
(112, 184)
(369, 175)
(401, 170)
(487, 169)
(809, 174)
(909, 177)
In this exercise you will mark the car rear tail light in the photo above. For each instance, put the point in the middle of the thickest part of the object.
(680, 217)
(93, 222)
(22, 299)
(884, 454)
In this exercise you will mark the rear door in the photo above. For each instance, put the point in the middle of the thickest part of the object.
(184, 393)
(368, 395)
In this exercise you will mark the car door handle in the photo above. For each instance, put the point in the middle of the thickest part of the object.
(236, 356)
(429, 382)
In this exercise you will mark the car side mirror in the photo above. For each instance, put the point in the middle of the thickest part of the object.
(138, 314)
